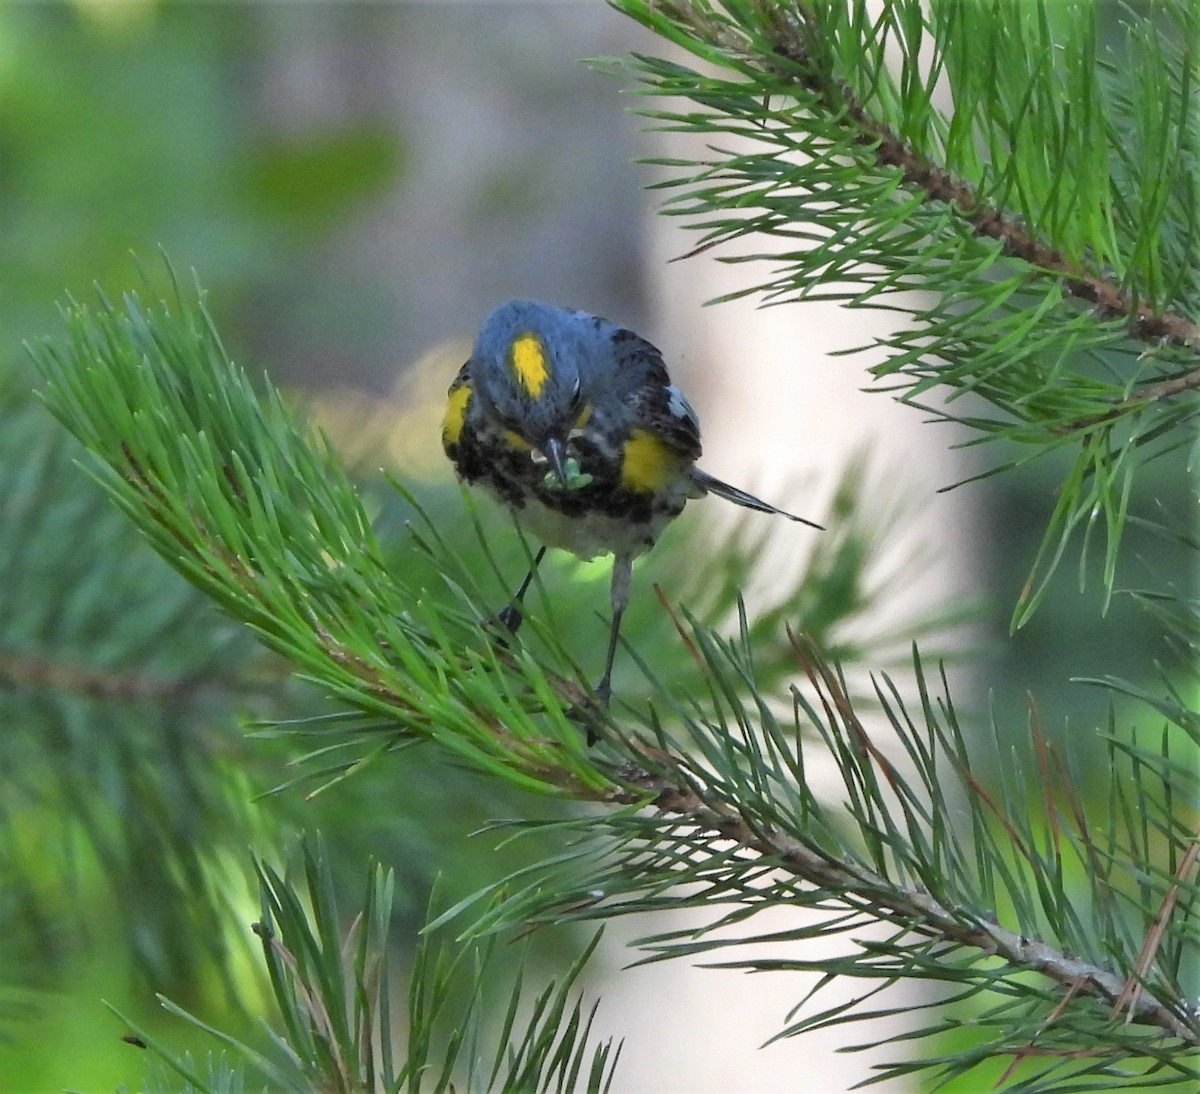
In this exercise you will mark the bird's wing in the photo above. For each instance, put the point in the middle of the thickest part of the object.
(643, 385)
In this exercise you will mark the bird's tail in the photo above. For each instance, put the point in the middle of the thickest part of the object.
(739, 497)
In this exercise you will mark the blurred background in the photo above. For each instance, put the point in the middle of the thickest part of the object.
(356, 185)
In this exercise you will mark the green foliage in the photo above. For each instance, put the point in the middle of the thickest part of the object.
(125, 127)
(1049, 217)
(1047, 212)
(131, 788)
(336, 1014)
(120, 686)
(314, 182)
(924, 848)
(253, 509)
(232, 493)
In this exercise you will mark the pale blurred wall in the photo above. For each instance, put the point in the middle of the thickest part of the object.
(521, 181)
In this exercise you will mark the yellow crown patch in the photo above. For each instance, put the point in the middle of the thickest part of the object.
(529, 363)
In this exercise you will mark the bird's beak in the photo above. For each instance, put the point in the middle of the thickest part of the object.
(553, 451)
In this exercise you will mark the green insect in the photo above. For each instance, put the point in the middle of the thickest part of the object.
(573, 478)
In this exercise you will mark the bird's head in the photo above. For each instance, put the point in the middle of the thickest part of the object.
(529, 368)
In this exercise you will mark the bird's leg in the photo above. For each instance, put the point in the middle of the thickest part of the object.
(619, 598)
(510, 615)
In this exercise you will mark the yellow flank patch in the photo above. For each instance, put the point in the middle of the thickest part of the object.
(456, 413)
(584, 415)
(647, 464)
(517, 441)
(529, 363)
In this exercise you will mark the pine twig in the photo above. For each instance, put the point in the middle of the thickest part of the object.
(912, 907)
(793, 53)
(1132, 990)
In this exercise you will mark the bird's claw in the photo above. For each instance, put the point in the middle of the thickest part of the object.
(589, 712)
(510, 618)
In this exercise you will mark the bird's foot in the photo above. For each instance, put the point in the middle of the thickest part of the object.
(590, 712)
(510, 618)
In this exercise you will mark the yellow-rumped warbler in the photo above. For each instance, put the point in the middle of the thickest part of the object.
(573, 423)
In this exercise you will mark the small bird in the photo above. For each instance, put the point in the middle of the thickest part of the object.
(572, 422)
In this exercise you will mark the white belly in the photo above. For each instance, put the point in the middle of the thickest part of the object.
(590, 535)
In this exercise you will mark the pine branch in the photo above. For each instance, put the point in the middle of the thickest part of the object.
(333, 991)
(910, 907)
(117, 690)
(705, 786)
(794, 46)
(679, 789)
(1111, 300)
(27, 671)
(245, 504)
(1052, 183)
(793, 35)
(731, 829)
